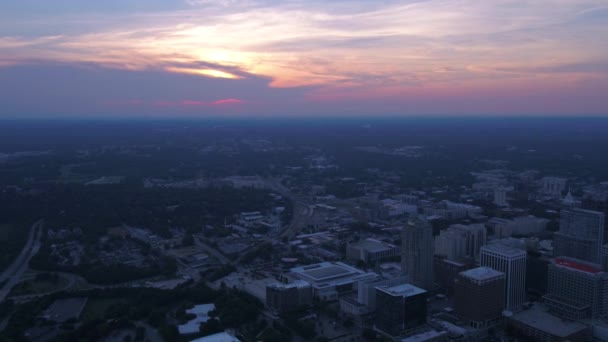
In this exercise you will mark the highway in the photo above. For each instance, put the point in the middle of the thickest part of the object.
(12, 275)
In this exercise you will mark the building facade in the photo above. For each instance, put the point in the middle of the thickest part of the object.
(580, 235)
(479, 296)
(371, 251)
(461, 241)
(400, 309)
(288, 297)
(512, 262)
(417, 253)
(577, 289)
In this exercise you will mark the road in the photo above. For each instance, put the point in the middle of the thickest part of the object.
(302, 212)
(12, 275)
(214, 252)
(75, 282)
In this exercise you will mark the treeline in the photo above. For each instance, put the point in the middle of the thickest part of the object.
(96, 208)
(103, 274)
(234, 309)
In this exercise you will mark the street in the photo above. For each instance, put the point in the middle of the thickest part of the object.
(11, 276)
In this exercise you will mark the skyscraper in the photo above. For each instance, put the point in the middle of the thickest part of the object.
(417, 253)
(577, 289)
(580, 235)
(400, 308)
(512, 262)
(480, 296)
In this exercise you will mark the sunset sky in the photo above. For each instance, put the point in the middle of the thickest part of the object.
(191, 58)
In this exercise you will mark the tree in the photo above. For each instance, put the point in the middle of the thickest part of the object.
(188, 240)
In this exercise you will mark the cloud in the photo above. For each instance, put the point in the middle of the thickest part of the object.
(317, 49)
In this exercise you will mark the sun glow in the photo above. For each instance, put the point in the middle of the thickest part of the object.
(203, 72)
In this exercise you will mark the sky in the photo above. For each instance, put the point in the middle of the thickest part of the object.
(207, 58)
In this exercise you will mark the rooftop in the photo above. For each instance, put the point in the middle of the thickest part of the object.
(328, 274)
(503, 250)
(202, 316)
(425, 336)
(403, 290)
(540, 319)
(325, 271)
(482, 273)
(295, 284)
(373, 245)
(220, 337)
(578, 265)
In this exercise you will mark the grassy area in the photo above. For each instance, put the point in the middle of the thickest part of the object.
(97, 307)
(39, 285)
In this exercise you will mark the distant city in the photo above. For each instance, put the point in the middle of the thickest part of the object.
(398, 230)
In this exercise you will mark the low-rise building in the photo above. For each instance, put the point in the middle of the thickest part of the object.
(287, 297)
(329, 280)
(539, 325)
(371, 251)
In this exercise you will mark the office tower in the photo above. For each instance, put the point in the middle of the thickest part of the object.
(512, 262)
(577, 289)
(461, 241)
(553, 185)
(500, 197)
(479, 296)
(400, 308)
(580, 235)
(417, 253)
(447, 270)
(287, 297)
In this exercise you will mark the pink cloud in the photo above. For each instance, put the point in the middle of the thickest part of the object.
(226, 101)
(182, 103)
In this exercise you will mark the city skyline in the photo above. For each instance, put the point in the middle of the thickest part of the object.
(293, 58)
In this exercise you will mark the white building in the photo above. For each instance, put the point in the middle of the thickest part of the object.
(202, 316)
(220, 337)
(512, 262)
(371, 250)
(330, 280)
(460, 241)
(522, 225)
(553, 186)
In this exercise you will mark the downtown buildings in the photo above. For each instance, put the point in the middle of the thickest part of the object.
(480, 296)
(417, 253)
(580, 235)
(400, 309)
(512, 262)
(577, 289)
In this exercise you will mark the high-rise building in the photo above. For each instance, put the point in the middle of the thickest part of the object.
(554, 185)
(479, 296)
(400, 309)
(287, 297)
(580, 235)
(512, 262)
(417, 253)
(363, 304)
(500, 197)
(577, 289)
(461, 241)
(447, 270)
